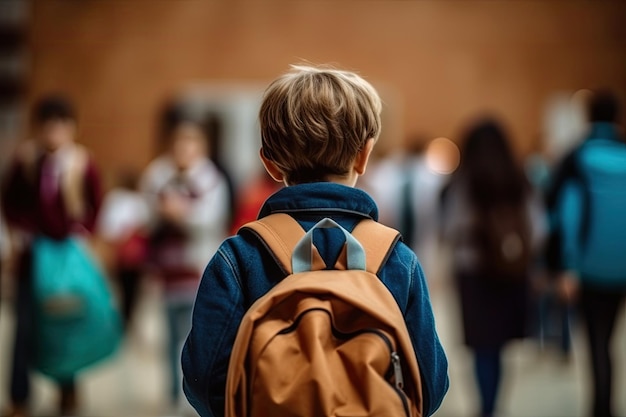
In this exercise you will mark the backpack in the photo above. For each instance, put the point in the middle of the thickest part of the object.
(601, 259)
(78, 323)
(324, 342)
(504, 241)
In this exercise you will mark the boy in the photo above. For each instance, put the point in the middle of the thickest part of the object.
(318, 128)
(41, 197)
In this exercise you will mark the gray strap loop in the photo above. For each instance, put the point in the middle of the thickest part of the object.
(302, 258)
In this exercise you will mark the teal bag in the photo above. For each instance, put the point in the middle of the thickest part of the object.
(77, 321)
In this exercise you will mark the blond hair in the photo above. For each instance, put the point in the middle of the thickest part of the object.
(315, 120)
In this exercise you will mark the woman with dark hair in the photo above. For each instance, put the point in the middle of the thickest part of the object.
(493, 223)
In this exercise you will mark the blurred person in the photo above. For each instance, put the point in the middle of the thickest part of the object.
(415, 189)
(493, 223)
(42, 197)
(122, 224)
(588, 209)
(405, 188)
(565, 130)
(423, 182)
(553, 314)
(189, 210)
(391, 181)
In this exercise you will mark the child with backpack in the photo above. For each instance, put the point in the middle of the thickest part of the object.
(65, 314)
(269, 337)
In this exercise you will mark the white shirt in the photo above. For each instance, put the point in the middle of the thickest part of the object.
(207, 221)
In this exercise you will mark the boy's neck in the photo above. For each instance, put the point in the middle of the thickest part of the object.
(348, 180)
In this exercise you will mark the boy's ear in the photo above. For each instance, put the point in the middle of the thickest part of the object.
(271, 168)
(362, 158)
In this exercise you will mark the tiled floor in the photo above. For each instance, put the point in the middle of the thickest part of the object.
(536, 382)
(134, 383)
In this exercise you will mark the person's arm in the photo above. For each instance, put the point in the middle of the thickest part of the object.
(430, 354)
(217, 313)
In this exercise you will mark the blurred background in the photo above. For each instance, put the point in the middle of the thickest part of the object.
(437, 65)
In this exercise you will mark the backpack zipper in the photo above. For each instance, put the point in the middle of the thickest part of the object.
(395, 366)
(397, 370)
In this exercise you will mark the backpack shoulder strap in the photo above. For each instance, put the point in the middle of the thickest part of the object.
(280, 233)
(378, 241)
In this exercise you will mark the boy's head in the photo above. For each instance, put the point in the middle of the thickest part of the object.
(316, 122)
(54, 119)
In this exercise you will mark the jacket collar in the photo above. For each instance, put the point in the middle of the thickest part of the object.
(321, 197)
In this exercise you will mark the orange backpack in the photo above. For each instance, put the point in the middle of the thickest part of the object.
(324, 342)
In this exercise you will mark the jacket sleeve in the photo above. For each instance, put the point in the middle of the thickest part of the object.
(217, 313)
(428, 349)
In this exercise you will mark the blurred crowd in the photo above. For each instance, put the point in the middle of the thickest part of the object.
(529, 242)
(165, 222)
(526, 240)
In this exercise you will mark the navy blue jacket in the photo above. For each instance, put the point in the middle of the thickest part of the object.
(242, 271)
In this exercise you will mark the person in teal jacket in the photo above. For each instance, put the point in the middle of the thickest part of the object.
(318, 128)
(590, 214)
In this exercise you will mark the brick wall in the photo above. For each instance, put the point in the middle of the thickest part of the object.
(437, 62)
